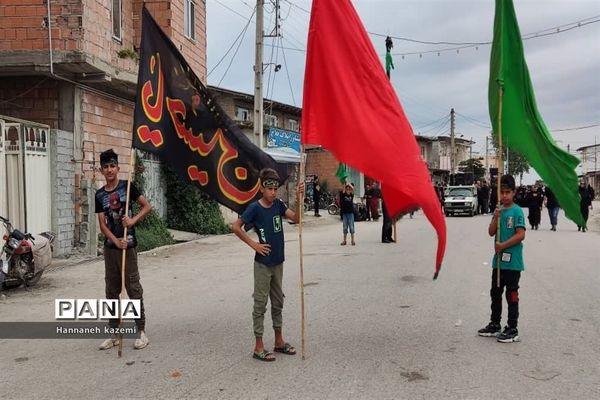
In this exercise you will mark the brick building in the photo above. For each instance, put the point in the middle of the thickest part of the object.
(72, 65)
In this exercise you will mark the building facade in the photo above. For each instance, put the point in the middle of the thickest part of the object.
(72, 66)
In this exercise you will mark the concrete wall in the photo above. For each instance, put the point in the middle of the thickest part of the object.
(63, 191)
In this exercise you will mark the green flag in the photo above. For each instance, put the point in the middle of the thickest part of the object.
(341, 173)
(523, 129)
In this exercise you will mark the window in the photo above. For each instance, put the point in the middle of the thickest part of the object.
(189, 12)
(293, 125)
(242, 114)
(270, 120)
(116, 19)
(423, 152)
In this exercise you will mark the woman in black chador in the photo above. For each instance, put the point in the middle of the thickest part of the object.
(534, 200)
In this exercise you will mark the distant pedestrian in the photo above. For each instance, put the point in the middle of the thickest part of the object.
(266, 217)
(316, 195)
(534, 201)
(386, 228)
(347, 212)
(509, 252)
(552, 206)
(585, 202)
(485, 198)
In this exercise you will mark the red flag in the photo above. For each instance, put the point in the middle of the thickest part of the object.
(351, 109)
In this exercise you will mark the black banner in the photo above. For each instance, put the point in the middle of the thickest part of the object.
(176, 118)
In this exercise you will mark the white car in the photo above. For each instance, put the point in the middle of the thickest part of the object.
(460, 199)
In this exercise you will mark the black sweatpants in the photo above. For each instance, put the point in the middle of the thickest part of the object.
(510, 280)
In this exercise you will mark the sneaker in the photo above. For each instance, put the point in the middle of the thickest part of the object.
(141, 342)
(109, 343)
(491, 329)
(509, 335)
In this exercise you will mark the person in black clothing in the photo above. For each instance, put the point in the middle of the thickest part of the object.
(534, 200)
(485, 197)
(386, 229)
(585, 203)
(493, 196)
(316, 195)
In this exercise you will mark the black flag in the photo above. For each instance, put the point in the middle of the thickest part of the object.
(176, 118)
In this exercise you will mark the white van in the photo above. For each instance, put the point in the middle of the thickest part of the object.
(460, 200)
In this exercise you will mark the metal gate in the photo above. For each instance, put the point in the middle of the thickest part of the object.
(25, 180)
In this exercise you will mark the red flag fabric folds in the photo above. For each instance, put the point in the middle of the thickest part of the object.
(352, 110)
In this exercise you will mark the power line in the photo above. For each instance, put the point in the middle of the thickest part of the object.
(231, 9)
(233, 44)
(576, 128)
(287, 73)
(445, 117)
(535, 35)
(234, 54)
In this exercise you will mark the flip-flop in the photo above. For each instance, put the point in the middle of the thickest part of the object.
(264, 356)
(286, 349)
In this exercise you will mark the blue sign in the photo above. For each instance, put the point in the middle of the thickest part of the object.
(283, 138)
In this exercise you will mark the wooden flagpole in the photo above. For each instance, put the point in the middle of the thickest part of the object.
(300, 210)
(500, 165)
(124, 253)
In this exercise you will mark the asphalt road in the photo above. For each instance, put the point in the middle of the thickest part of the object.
(377, 325)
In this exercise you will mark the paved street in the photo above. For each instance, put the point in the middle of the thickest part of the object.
(377, 326)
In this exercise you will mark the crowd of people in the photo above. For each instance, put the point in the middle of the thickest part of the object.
(534, 198)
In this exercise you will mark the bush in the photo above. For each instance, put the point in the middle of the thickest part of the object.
(152, 231)
(190, 210)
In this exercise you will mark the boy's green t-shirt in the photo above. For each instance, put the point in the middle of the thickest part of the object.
(512, 257)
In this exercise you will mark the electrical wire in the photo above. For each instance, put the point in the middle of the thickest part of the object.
(287, 73)
(577, 128)
(234, 54)
(27, 91)
(233, 44)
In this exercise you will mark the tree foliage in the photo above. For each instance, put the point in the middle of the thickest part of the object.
(474, 166)
(517, 164)
(190, 210)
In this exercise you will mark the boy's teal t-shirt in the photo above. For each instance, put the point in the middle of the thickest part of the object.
(512, 257)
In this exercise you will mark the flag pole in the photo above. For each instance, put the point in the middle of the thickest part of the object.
(389, 65)
(124, 253)
(300, 210)
(500, 167)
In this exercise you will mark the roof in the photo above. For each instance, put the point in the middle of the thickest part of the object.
(250, 98)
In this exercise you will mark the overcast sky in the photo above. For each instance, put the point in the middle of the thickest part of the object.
(564, 67)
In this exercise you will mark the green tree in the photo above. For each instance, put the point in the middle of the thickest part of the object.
(190, 210)
(474, 166)
(517, 164)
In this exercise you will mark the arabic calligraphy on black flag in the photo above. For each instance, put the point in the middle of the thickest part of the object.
(176, 118)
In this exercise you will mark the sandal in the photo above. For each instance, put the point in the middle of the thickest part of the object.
(286, 349)
(343, 243)
(353, 244)
(264, 356)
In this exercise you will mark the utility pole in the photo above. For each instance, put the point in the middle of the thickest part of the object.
(595, 157)
(258, 74)
(452, 153)
(471, 158)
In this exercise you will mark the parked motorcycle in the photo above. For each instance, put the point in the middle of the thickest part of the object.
(24, 256)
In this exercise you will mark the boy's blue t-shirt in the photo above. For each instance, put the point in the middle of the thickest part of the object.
(512, 257)
(268, 223)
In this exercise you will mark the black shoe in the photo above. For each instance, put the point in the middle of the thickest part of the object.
(492, 329)
(386, 241)
(578, 228)
(509, 335)
(392, 240)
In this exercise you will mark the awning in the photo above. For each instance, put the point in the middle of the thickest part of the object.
(283, 154)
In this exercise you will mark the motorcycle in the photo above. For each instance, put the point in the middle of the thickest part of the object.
(24, 256)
